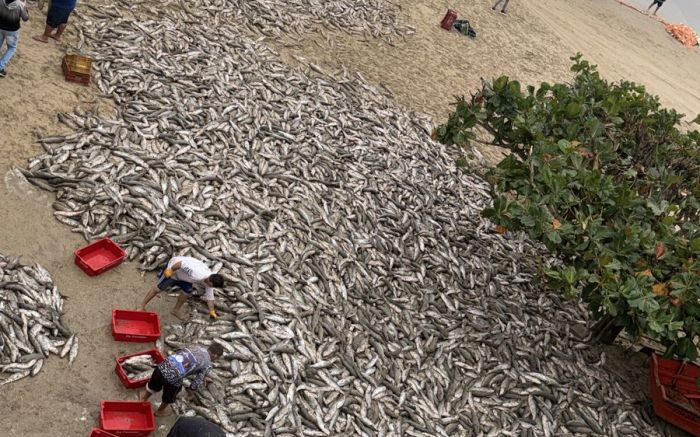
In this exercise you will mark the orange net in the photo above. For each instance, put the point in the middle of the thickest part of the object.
(683, 33)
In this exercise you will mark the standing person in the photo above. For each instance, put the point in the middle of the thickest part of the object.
(168, 375)
(505, 5)
(56, 19)
(658, 4)
(184, 271)
(11, 11)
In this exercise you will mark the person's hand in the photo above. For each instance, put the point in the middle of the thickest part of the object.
(190, 394)
(168, 273)
(213, 315)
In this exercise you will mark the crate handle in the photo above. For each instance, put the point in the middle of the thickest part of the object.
(678, 374)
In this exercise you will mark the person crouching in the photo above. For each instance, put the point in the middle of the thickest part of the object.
(195, 362)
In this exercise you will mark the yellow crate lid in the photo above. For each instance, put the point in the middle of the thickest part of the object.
(78, 64)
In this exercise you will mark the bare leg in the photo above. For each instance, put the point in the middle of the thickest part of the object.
(59, 32)
(151, 294)
(162, 410)
(47, 33)
(181, 299)
(145, 395)
(657, 10)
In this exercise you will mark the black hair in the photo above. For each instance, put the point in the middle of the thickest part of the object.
(216, 349)
(216, 280)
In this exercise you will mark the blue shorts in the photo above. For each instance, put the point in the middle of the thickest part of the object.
(164, 283)
(57, 15)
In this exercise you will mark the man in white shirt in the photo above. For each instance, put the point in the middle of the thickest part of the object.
(184, 271)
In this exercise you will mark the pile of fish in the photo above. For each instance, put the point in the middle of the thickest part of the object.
(287, 18)
(138, 367)
(365, 294)
(31, 328)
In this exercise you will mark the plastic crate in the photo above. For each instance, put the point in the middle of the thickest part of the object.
(135, 326)
(127, 418)
(77, 68)
(449, 19)
(674, 392)
(99, 256)
(135, 383)
(97, 432)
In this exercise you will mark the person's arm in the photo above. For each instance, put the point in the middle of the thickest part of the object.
(24, 13)
(172, 269)
(209, 299)
(199, 379)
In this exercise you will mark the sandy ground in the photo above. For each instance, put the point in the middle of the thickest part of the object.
(61, 400)
(532, 44)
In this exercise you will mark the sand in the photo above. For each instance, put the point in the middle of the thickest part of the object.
(532, 44)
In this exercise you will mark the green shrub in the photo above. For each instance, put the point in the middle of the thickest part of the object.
(601, 174)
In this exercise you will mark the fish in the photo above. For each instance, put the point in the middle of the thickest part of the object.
(365, 294)
(139, 366)
(31, 325)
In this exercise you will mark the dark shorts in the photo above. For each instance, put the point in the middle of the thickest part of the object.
(164, 283)
(58, 15)
(158, 383)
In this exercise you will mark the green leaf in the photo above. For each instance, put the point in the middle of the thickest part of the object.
(573, 109)
(687, 349)
(554, 237)
(696, 120)
(613, 265)
(500, 83)
(695, 244)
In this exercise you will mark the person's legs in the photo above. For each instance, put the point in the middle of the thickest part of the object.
(162, 284)
(11, 38)
(155, 384)
(181, 299)
(149, 296)
(169, 395)
(505, 6)
(59, 32)
(47, 33)
(495, 5)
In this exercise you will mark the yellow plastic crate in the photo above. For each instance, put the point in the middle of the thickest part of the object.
(77, 68)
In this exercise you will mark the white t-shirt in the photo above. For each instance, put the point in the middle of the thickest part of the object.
(193, 271)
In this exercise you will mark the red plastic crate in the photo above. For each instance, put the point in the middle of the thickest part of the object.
(136, 383)
(127, 418)
(97, 432)
(449, 19)
(99, 256)
(674, 392)
(135, 326)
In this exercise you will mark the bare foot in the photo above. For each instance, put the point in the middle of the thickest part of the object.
(41, 38)
(57, 38)
(163, 413)
(178, 315)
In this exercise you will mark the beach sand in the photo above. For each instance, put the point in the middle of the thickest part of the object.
(532, 44)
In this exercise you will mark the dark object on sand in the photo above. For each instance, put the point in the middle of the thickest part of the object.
(465, 28)
(195, 427)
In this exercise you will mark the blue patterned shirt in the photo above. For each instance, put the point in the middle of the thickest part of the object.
(194, 361)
